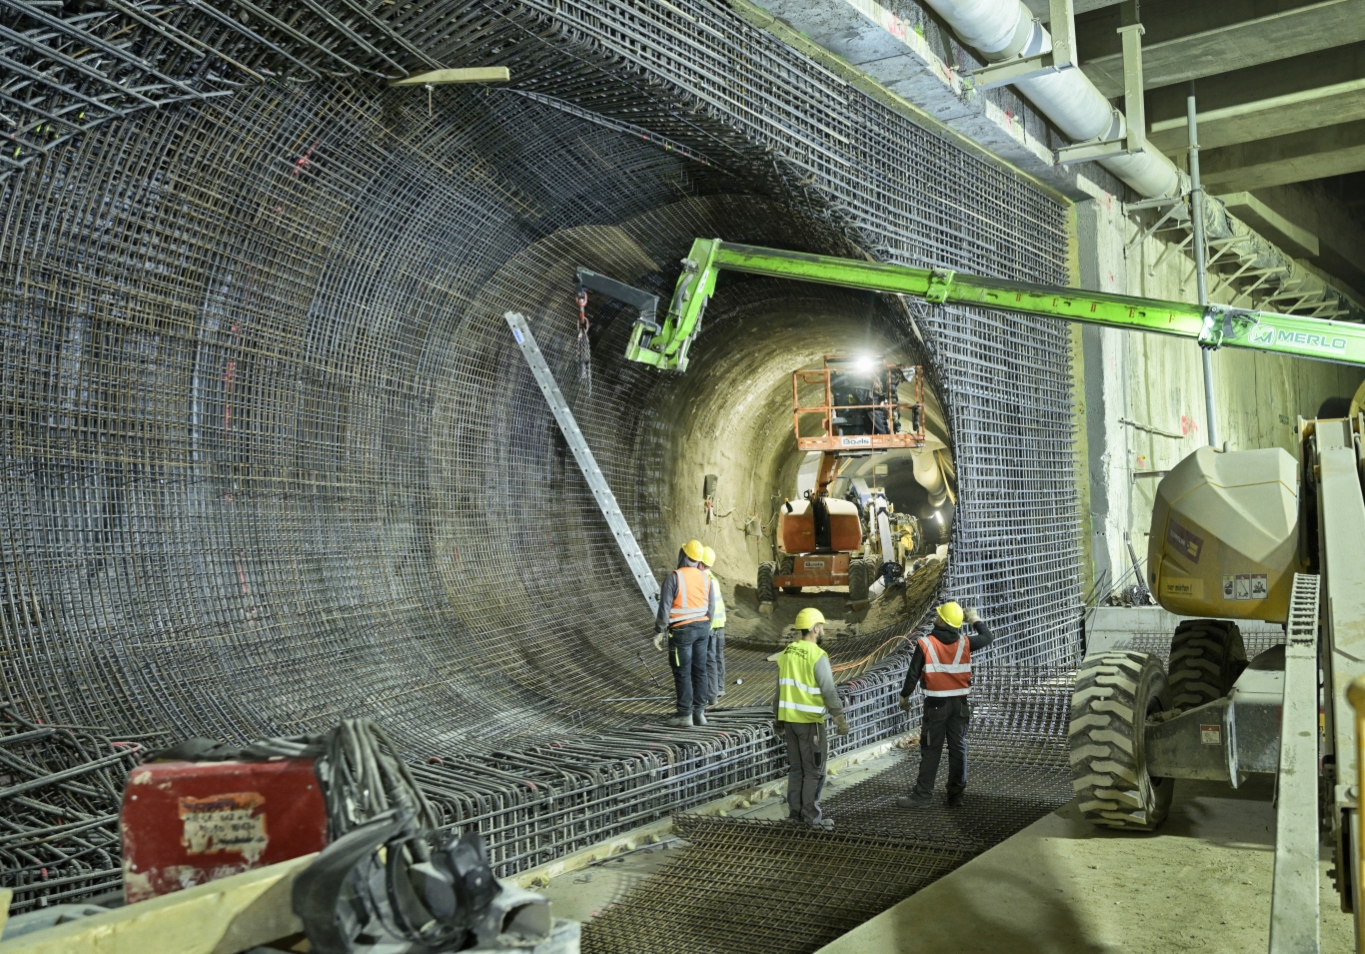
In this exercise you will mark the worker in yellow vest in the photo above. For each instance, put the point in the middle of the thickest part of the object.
(943, 663)
(805, 693)
(715, 659)
(686, 603)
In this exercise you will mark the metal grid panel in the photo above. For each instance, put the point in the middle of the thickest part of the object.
(269, 459)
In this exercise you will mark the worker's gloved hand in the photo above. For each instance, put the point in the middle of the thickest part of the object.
(970, 615)
(659, 641)
(905, 703)
(842, 724)
(777, 728)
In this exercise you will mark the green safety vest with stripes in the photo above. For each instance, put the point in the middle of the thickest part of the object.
(798, 694)
(718, 617)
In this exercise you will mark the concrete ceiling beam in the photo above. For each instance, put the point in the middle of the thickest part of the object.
(1185, 41)
(1320, 89)
(1297, 157)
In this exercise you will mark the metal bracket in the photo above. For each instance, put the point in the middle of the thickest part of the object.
(597, 482)
(1223, 324)
(1062, 56)
(1134, 138)
(940, 281)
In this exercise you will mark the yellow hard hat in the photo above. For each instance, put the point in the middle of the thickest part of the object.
(809, 618)
(694, 550)
(951, 614)
(709, 557)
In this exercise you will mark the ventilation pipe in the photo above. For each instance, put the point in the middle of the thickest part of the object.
(1000, 29)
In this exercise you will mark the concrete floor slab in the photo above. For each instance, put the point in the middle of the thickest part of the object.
(1201, 883)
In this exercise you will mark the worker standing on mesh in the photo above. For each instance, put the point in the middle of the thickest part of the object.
(715, 658)
(686, 604)
(943, 663)
(805, 693)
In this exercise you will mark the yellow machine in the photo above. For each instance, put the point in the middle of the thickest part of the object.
(1246, 535)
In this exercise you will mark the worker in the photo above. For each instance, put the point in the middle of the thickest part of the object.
(686, 604)
(805, 693)
(943, 663)
(715, 658)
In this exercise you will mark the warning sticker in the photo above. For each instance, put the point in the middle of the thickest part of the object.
(1183, 587)
(1184, 541)
(1211, 734)
(224, 823)
(1246, 586)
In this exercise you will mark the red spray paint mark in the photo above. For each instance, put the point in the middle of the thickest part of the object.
(303, 161)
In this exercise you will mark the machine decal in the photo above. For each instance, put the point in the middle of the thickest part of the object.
(1187, 588)
(1246, 586)
(1211, 734)
(855, 442)
(1267, 336)
(1186, 542)
(224, 823)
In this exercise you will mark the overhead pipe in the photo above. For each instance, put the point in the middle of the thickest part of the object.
(1001, 29)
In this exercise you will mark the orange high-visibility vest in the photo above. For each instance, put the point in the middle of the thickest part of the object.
(693, 599)
(947, 666)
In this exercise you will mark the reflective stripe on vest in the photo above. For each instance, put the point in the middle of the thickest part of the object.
(943, 677)
(798, 692)
(692, 599)
(718, 617)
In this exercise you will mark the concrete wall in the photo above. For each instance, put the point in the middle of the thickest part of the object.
(1142, 404)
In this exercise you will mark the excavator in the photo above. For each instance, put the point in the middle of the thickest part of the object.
(1236, 535)
(850, 407)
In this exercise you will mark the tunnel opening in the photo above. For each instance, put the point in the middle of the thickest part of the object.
(272, 459)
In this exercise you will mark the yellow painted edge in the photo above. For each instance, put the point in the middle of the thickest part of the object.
(757, 16)
(6, 894)
(222, 917)
(472, 74)
(663, 827)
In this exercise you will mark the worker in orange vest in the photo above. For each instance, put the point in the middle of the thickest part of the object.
(943, 664)
(686, 604)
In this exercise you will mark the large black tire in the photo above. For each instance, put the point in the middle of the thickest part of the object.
(859, 580)
(1115, 695)
(767, 593)
(787, 565)
(1207, 656)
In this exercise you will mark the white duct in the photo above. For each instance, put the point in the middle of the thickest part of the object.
(929, 475)
(999, 29)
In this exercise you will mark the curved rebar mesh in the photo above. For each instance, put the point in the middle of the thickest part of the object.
(270, 459)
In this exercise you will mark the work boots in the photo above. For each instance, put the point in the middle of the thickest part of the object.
(699, 718)
(915, 800)
(681, 721)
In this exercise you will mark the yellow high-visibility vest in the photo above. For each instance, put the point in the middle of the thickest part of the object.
(798, 694)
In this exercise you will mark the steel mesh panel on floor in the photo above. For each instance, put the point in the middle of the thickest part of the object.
(753, 887)
(762, 887)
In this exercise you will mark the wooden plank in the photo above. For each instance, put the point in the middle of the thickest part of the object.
(473, 74)
(222, 917)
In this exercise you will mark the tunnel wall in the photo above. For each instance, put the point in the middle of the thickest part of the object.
(270, 458)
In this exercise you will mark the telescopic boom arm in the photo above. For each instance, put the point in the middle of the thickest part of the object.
(1213, 326)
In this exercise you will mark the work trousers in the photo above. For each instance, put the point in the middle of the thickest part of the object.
(688, 652)
(807, 743)
(945, 717)
(716, 663)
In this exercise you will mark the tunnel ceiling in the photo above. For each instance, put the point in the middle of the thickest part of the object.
(269, 455)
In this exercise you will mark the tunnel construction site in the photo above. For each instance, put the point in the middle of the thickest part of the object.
(273, 460)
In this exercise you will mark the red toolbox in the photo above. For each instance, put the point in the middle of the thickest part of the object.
(184, 823)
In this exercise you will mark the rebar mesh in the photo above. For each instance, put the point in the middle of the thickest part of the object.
(269, 459)
(765, 887)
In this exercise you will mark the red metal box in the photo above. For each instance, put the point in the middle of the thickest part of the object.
(185, 823)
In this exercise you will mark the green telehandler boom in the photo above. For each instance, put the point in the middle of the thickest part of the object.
(665, 345)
